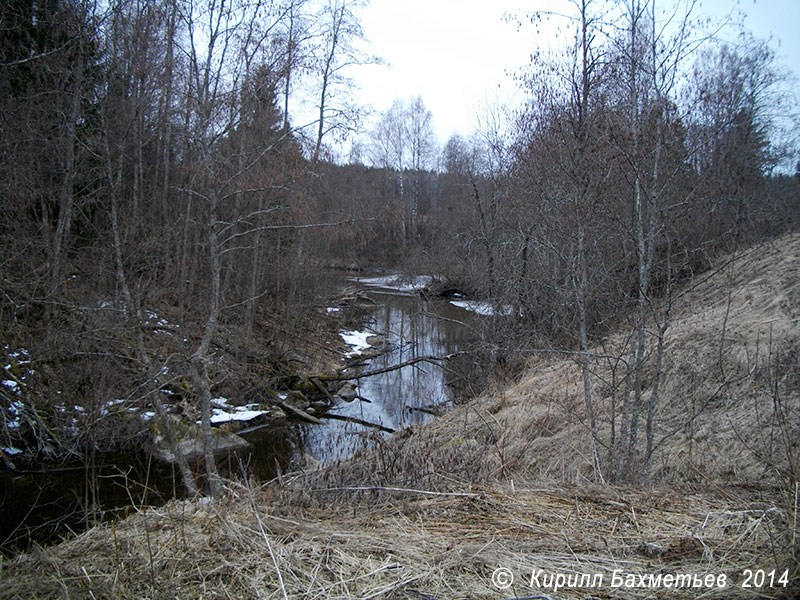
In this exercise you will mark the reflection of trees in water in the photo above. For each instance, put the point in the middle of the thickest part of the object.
(42, 506)
(411, 326)
(408, 323)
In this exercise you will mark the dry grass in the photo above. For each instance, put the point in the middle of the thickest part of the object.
(412, 545)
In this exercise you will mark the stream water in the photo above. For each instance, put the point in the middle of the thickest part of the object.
(412, 326)
(43, 506)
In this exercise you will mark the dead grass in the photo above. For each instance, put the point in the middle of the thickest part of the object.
(414, 545)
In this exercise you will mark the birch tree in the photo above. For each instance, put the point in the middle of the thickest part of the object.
(568, 169)
(651, 54)
(340, 32)
(403, 142)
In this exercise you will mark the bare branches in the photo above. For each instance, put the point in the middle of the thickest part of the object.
(361, 375)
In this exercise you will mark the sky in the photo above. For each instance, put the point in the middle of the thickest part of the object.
(460, 55)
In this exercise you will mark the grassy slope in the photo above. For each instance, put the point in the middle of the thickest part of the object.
(504, 482)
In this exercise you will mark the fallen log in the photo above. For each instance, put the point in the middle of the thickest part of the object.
(428, 410)
(413, 361)
(358, 422)
(289, 409)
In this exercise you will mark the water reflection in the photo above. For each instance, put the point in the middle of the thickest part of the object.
(413, 327)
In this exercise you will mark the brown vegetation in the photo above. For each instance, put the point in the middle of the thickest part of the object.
(731, 403)
(167, 234)
(505, 481)
(413, 545)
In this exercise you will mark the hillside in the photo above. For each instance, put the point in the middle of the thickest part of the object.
(503, 481)
(730, 397)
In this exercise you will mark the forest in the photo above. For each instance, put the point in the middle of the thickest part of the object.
(166, 228)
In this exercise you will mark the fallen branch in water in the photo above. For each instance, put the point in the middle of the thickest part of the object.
(357, 421)
(413, 361)
(428, 410)
(291, 410)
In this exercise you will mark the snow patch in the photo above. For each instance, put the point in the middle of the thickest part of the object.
(154, 319)
(151, 318)
(357, 340)
(18, 357)
(240, 413)
(11, 384)
(15, 410)
(396, 282)
(482, 308)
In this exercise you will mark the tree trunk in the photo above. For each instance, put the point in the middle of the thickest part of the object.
(200, 356)
(485, 233)
(66, 199)
(580, 289)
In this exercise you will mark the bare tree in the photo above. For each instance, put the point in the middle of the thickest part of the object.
(388, 147)
(340, 31)
(736, 101)
(605, 165)
(422, 148)
(404, 141)
(80, 22)
(571, 120)
(221, 43)
(296, 37)
(651, 60)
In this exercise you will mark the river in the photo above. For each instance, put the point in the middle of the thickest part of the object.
(412, 326)
(43, 505)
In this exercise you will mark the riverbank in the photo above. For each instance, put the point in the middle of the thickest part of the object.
(597, 542)
(303, 404)
(75, 456)
(503, 481)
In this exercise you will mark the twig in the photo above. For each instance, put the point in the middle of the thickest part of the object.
(377, 488)
(390, 588)
(731, 513)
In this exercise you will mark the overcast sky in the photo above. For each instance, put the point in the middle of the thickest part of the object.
(458, 53)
